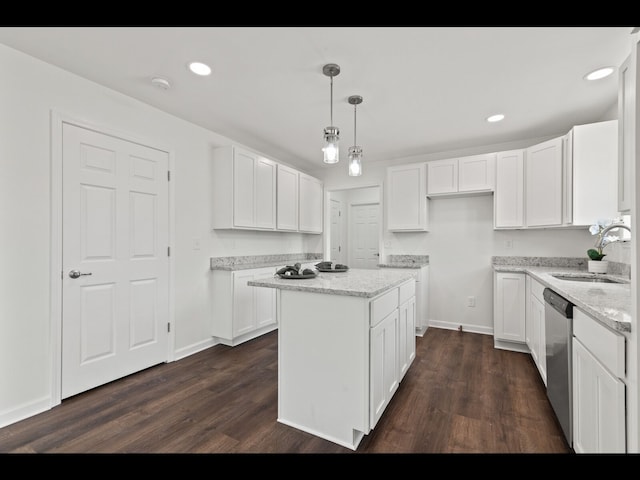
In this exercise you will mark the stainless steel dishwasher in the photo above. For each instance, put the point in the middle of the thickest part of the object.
(558, 323)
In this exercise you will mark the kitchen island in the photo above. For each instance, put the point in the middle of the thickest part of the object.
(345, 341)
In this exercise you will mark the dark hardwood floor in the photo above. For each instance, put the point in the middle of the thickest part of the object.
(459, 396)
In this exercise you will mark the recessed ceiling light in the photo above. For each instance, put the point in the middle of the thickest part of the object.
(600, 73)
(160, 82)
(495, 118)
(200, 68)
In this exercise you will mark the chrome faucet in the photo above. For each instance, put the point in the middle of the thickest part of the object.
(607, 229)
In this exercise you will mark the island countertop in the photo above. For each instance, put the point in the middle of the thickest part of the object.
(355, 282)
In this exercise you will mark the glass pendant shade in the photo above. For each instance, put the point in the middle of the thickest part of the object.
(331, 148)
(355, 161)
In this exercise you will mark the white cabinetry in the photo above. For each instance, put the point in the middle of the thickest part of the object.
(543, 184)
(535, 327)
(466, 175)
(406, 328)
(599, 418)
(384, 364)
(509, 311)
(241, 312)
(421, 276)
(244, 190)
(310, 193)
(590, 173)
(406, 198)
(287, 218)
(508, 199)
(626, 121)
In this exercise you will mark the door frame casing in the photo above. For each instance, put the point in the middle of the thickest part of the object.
(57, 120)
(326, 241)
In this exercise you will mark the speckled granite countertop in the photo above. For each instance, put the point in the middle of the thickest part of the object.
(405, 261)
(247, 262)
(355, 282)
(609, 303)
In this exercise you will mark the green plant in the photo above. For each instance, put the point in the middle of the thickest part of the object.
(597, 229)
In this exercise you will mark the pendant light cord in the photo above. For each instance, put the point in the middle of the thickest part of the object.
(331, 102)
(355, 107)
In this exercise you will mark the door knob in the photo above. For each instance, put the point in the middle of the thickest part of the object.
(76, 274)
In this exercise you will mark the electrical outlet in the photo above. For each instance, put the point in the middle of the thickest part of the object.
(196, 243)
(508, 244)
(471, 301)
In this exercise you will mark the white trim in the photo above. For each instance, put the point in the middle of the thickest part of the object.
(326, 241)
(58, 118)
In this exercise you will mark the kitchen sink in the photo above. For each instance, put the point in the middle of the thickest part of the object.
(573, 278)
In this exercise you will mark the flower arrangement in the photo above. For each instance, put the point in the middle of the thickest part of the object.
(597, 229)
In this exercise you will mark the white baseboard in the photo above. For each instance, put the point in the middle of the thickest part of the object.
(465, 328)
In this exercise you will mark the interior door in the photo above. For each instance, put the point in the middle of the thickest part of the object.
(336, 231)
(364, 236)
(115, 258)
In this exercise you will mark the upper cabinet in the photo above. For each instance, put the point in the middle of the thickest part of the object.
(626, 101)
(466, 175)
(311, 193)
(406, 198)
(543, 184)
(251, 192)
(590, 173)
(568, 181)
(508, 200)
(244, 190)
(287, 198)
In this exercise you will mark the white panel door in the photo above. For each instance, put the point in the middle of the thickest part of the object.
(244, 316)
(336, 231)
(508, 199)
(364, 236)
(115, 235)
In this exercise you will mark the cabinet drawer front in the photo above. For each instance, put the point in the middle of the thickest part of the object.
(383, 305)
(536, 289)
(607, 346)
(406, 291)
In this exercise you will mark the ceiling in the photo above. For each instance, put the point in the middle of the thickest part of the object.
(424, 89)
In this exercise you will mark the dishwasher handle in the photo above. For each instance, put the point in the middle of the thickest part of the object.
(558, 302)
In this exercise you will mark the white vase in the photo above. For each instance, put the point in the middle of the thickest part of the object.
(598, 266)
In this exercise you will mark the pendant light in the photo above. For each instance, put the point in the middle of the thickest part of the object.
(331, 134)
(355, 152)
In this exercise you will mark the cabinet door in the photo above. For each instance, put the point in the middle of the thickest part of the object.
(476, 173)
(538, 339)
(383, 365)
(265, 194)
(287, 206)
(509, 190)
(265, 301)
(311, 199)
(509, 307)
(406, 198)
(598, 405)
(406, 336)
(243, 188)
(243, 303)
(442, 176)
(543, 184)
(626, 104)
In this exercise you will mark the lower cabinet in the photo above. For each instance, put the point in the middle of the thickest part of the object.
(241, 312)
(535, 329)
(599, 417)
(392, 344)
(509, 311)
(384, 364)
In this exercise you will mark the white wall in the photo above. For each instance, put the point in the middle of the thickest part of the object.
(29, 89)
(461, 242)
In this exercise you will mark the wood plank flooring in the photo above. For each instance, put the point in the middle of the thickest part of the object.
(459, 396)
